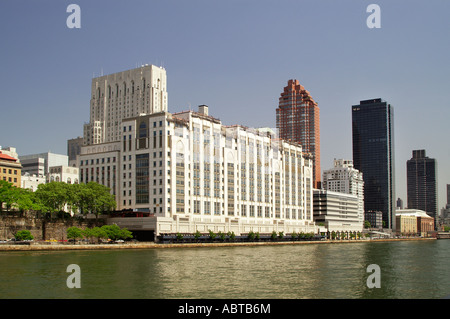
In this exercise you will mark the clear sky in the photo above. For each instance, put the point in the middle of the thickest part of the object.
(235, 56)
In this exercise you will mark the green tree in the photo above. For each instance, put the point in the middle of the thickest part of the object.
(26, 200)
(114, 232)
(23, 235)
(221, 236)
(197, 235)
(294, 235)
(7, 194)
(74, 233)
(273, 235)
(179, 237)
(98, 198)
(96, 233)
(212, 236)
(53, 196)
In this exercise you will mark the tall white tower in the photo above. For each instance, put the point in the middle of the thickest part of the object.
(123, 95)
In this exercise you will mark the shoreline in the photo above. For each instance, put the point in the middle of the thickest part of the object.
(150, 245)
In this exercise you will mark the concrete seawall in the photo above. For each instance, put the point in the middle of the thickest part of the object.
(60, 247)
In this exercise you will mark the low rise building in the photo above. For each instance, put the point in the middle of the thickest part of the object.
(39, 164)
(424, 222)
(406, 224)
(337, 211)
(10, 169)
(32, 181)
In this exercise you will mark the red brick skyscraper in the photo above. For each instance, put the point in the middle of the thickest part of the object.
(298, 120)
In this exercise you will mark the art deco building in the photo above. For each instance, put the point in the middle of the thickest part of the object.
(373, 156)
(298, 120)
(421, 174)
(123, 95)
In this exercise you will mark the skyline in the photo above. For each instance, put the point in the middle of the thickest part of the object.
(233, 56)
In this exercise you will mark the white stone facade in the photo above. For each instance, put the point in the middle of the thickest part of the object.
(123, 95)
(63, 173)
(32, 181)
(192, 173)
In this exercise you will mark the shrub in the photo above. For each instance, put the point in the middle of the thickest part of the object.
(74, 233)
(23, 235)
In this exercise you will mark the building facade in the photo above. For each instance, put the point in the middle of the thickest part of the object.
(74, 149)
(344, 178)
(10, 169)
(122, 95)
(375, 218)
(422, 183)
(66, 174)
(337, 211)
(424, 222)
(373, 155)
(192, 173)
(32, 181)
(298, 120)
(406, 224)
(39, 164)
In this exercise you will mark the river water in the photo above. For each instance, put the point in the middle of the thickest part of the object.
(408, 269)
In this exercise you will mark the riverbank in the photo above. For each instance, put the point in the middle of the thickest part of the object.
(149, 245)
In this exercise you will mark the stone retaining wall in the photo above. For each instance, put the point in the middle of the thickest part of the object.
(41, 228)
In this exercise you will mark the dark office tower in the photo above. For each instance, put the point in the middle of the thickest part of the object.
(373, 155)
(298, 120)
(421, 172)
(448, 196)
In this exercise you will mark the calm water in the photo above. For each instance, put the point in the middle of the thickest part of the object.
(418, 269)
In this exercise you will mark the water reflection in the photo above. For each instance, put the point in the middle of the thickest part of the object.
(408, 270)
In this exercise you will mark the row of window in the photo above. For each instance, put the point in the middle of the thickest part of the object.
(10, 171)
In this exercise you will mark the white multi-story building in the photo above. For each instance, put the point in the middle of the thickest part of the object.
(32, 181)
(39, 164)
(337, 211)
(344, 178)
(192, 173)
(123, 95)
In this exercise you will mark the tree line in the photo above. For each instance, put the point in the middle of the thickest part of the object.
(112, 232)
(55, 197)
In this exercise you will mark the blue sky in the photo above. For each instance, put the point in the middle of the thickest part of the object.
(235, 56)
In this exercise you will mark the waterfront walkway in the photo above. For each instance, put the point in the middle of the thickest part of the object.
(147, 245)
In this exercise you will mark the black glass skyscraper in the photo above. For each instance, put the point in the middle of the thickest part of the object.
(421, 174)
(373, 155)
